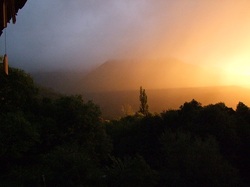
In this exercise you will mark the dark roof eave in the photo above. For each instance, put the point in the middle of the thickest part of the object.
(18, 4)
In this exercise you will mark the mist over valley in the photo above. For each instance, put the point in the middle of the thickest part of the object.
(115, 84)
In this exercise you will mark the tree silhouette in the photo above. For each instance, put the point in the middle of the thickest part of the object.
(143, 99)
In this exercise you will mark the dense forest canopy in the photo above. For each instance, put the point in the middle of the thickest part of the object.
(49, 139)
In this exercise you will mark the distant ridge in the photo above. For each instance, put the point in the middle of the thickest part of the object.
(112, 102)
(152, 74)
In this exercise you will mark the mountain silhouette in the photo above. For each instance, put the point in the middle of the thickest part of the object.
(120, 75)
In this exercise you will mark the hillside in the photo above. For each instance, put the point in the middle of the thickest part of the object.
(151, 74)
(59, 81)
(112, 103)
(57, 140)
(115, 85)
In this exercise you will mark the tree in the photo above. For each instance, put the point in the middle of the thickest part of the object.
(17, 91)
(130, 171)
(143, 99)
(193, 161)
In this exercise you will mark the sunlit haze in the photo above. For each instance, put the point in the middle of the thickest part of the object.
(83, 34)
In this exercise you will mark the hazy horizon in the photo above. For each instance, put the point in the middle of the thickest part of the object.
(80, 35)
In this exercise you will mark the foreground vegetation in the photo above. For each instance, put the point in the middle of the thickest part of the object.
(55, 140)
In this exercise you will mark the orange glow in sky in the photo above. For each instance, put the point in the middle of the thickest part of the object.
(214, 34)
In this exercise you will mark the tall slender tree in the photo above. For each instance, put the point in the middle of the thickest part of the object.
(143, 102)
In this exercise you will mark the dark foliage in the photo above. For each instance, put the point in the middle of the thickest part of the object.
(63, 141)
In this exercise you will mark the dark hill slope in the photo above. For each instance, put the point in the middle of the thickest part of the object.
(63, 82)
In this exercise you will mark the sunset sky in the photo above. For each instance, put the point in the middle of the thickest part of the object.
(82, 34)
